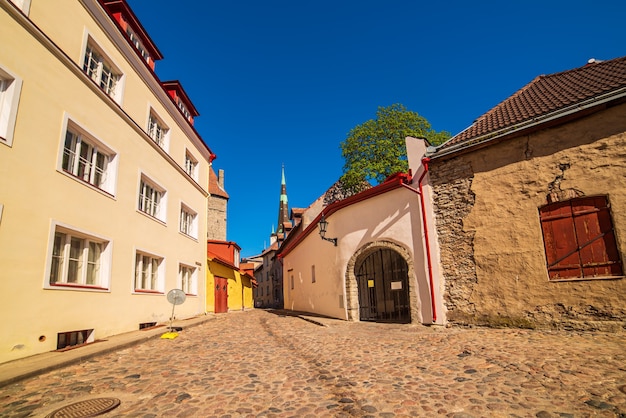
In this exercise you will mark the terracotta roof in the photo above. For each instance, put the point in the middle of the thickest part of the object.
(546, 95)
(214, 187)
(297, 212)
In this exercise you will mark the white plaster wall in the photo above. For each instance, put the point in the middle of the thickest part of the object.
(393, 216)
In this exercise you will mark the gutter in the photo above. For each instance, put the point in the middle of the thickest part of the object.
(420, 192)
(598, 100)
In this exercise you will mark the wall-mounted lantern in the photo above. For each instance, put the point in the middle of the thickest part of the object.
(323, 225)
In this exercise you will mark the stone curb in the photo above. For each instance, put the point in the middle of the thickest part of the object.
(16, 370)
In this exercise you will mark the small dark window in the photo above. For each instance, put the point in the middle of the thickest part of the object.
(579, 239)
(73, 338)
(147, 325)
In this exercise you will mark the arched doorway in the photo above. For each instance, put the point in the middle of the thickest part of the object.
(383, 287)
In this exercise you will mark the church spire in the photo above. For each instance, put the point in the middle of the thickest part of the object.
(283, 208)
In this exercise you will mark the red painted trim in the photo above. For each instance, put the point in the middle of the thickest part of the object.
(212, 156)
(392, 183)
(122, 7)
(223, 262)
(229, 243)
(77, 286)
(177, 87)
(150, 292)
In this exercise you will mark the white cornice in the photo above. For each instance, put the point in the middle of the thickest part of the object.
(101, 17)
(29, 26)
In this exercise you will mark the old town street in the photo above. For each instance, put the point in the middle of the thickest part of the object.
(270, 364)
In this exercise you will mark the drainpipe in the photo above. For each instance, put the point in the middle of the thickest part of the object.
(425, 162)
(420, 192)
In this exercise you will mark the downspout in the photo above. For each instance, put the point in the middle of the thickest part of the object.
(425, 162)
(420, 192)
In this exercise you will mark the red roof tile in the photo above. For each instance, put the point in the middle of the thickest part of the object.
(214, 187)
(545, 95)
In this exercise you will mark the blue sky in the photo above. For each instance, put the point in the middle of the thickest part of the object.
(283, 82)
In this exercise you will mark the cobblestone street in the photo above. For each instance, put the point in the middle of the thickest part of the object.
(260, 364)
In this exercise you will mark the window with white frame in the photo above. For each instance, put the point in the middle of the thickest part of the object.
(188, 279)
(24, 5)
(148, 272)
(183, 109)
(236, 257)
(78, 259)
(10, 88)
(188, 221)
(97, 66)
(138, 44)
(191, 166)
(88, 160)
(152, 199)
(157, 131)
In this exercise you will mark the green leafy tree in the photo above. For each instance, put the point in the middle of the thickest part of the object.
(376, 149)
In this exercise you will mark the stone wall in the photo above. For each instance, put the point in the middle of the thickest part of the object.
(453, 201)
(487, 215)
(216, 222)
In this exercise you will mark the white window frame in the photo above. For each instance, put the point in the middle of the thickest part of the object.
(188, 278)
(86, 159)
(138, 44)
(61, 260)
(158, 130)
(10, 89)
(184, 110)
(149, 273)
(98, 66)
(191, 165)
(236, 257)
(188, 223)
(152, 199)
(23, 5)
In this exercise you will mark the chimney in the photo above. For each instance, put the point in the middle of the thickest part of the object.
(220, 178)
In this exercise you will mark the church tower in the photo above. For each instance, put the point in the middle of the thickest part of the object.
(283, 207)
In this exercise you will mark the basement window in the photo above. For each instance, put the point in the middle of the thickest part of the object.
(147, 325)
(67, 340)
(579, 239)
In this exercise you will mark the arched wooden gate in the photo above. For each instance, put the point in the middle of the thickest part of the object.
(382, 279)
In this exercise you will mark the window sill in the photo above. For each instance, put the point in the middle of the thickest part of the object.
(191, 237)
(148, 292)
(586, 279)
(147, 215)
(73, 347)
(86, 183)
(70, 286)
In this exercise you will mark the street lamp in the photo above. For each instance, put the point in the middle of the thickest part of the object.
(323, 225)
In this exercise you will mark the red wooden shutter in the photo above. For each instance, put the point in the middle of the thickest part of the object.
(596, 238)
(579, 239)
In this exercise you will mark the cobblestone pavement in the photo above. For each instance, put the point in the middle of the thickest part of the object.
(259, 364)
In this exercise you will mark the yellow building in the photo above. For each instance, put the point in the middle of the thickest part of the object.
(103, 178)
(229, 285)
